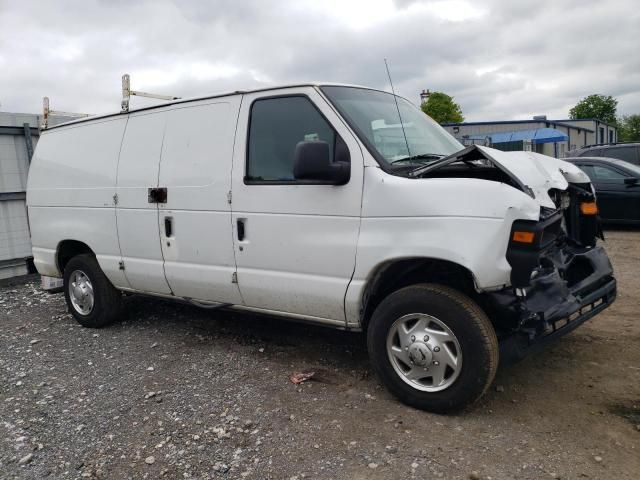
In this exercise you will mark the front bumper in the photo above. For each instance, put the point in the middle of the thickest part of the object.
(572, 285)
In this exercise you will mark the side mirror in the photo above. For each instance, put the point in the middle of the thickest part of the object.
(312, 161)
(630, 181)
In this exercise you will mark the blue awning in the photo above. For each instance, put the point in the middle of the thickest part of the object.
(536, 135)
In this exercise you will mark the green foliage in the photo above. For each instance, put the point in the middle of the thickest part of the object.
(629, 128)
(442, 108)
(601, 107)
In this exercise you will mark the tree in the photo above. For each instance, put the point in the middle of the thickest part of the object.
(601, 107)
(442, 108)
(629, 128)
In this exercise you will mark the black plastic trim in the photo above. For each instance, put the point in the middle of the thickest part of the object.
(522, 257)
(517, 346)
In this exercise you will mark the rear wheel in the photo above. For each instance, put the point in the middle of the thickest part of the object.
(433, 347)
(92, 299)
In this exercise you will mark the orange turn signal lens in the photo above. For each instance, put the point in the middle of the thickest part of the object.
(589, 208)
(523, 237)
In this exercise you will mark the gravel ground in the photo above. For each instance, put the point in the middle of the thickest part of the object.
(177, 392)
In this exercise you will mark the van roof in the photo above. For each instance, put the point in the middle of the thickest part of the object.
(205, 97)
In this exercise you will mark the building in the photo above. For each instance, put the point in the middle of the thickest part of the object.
(18, 137)
(549, 137)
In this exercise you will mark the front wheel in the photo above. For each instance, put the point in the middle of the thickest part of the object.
(433, 347)
(92, 299)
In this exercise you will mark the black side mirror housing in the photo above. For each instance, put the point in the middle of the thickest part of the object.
(630, 181)
(312, 161)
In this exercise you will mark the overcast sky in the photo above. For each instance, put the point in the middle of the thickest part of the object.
(500, 59)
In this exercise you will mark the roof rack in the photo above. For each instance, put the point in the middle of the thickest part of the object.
(47, 112)
(127, 93)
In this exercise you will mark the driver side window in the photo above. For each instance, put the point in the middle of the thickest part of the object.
(276, 126)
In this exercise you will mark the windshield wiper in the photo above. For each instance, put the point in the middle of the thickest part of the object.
(422, 156)
(461, 156)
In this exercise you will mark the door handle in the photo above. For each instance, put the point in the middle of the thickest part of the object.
(240, 227)
(157, 195)
(168, 227)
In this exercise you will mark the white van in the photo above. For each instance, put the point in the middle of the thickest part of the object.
(338, 205)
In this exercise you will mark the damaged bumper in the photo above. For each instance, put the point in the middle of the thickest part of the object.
(570, 286)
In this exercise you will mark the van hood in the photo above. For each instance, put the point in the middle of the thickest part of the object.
(533, 173)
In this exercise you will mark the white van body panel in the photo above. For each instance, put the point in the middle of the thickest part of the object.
(70, 194)
(137, 218)
(195, 168)
(301, 240)
(76, 166)
(540, 171)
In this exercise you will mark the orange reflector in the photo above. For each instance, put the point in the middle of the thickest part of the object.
(523, 237)
(589, 208)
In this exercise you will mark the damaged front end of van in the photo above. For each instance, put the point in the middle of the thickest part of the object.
(560, 277)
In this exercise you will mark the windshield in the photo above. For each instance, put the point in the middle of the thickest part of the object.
(409, 138)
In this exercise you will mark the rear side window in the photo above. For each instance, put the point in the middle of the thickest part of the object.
(276, 126)
(628, 154)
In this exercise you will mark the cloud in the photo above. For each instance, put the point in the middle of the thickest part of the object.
(500, 59)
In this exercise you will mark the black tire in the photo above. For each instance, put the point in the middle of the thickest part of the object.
(107, 304)
(464, 318)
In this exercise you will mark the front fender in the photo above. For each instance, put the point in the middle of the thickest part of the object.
(464, 221)
(477, 244)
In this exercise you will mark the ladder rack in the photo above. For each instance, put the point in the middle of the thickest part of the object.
(127, 93)
(47, 112)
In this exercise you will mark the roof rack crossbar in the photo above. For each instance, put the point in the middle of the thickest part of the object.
(47, 112)
(127, 93)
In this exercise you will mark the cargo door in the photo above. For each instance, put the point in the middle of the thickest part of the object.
(195, 220)
(137, 202)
